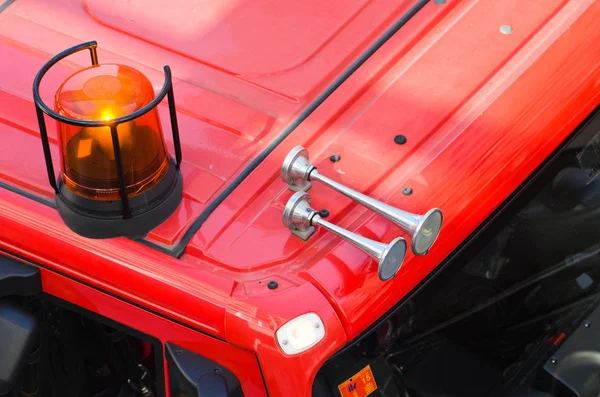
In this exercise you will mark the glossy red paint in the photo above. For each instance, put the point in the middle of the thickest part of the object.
(226, 114)
(480, 109)
(480, 112)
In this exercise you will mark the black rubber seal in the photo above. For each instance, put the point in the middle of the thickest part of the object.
(5, 4)
(32, 196)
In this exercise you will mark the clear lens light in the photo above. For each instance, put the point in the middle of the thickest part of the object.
(301, 333)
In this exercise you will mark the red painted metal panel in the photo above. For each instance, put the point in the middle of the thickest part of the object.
(481, 110)
(500, 105)
(233, 95)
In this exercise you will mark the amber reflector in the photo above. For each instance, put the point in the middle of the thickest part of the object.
(88, 167)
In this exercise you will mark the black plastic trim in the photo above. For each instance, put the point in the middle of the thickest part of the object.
(148, 209)
(18, 278)
(187, 368)
(18, 330)
(489, 228)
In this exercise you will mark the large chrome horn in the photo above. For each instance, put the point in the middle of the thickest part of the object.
(301, 219)
(298, 172)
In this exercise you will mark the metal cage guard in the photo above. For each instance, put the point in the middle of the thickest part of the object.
(41, 108)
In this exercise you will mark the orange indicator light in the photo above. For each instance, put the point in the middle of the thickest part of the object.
(106, 92)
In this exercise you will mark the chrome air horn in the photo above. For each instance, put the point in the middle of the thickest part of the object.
(298, 172)
(301, 219)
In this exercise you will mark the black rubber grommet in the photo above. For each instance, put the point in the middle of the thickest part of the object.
(272, 284)
(334, 158)
(324, 213)
(399, 139)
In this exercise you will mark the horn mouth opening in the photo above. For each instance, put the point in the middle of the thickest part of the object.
(392, 259)
(427, 231)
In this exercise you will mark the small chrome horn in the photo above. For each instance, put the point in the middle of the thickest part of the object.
(298, 172)
(301, 219)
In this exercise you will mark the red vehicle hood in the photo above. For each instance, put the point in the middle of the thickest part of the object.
(473, 103)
